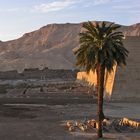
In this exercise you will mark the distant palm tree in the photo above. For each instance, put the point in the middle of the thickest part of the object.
(101, 47)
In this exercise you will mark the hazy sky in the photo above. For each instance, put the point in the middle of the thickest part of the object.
(21, 16)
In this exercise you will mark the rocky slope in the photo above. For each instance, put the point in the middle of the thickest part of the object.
(50, 46)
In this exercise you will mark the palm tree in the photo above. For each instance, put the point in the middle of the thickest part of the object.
(101, 47)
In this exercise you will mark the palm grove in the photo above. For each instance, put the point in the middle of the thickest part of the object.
(101, 47)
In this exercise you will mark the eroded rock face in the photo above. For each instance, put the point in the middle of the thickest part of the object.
(50, 46)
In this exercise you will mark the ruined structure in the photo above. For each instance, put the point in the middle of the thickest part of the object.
(36, 73)
(122, 83)
(52, 46)
(127, 79)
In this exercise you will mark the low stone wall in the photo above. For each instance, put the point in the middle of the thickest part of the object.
(43, 74)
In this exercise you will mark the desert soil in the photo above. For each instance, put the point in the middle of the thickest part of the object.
(40, 121)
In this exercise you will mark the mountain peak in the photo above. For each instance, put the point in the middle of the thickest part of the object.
(50, 46)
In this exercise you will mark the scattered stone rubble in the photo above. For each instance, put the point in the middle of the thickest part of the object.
(68, 88)
(113, 125)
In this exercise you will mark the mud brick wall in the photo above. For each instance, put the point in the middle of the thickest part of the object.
(44, 74)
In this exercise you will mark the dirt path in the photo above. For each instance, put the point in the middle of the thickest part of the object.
(27, 122)
(46, 122)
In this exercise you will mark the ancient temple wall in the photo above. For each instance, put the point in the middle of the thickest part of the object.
(127, 79)
(124, 82)
(91, 77)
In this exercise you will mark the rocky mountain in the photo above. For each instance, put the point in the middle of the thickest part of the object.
(50, 46)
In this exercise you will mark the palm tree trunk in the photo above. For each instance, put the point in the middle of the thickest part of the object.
(100, 88)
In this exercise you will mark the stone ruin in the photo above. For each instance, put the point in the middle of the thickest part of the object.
(36, 73)
(118, 83)
(113, 125)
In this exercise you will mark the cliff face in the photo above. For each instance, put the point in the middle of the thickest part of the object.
(133, 30)
(50, 46)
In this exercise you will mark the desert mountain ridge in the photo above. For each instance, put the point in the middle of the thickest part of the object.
(50, 46)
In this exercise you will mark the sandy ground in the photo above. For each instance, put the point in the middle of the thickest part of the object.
(47, 122)
(42, 116)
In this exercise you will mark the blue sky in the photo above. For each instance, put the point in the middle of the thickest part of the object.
(21, 16)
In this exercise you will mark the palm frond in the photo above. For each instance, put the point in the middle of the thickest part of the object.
(100, 44)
